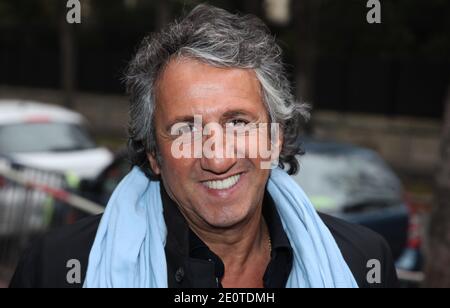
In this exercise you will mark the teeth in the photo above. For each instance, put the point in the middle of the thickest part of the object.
(223, 184)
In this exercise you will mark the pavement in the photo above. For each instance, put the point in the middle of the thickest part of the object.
(5, 276)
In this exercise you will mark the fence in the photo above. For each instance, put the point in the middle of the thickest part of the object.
(32, 202)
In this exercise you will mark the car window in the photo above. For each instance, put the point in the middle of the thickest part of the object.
(336, 181)
(43, 137)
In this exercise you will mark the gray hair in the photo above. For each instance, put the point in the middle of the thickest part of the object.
(221, 39)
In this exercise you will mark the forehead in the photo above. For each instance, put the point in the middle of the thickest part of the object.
(188, 87)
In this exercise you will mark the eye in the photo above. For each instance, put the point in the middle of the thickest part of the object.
(187, 128)
(238, 122)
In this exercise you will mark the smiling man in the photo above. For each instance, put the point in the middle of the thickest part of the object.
(217, 219)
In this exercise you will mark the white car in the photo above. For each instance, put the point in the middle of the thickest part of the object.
(51, 142)
(50, 138)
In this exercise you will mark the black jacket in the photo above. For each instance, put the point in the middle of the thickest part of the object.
(44, 264)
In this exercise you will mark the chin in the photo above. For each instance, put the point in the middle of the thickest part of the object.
(228, 224)
(226, 220)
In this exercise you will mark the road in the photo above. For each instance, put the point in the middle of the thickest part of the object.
(5, 275)
(3, 284)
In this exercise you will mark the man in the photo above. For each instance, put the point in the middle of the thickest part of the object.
(201, 208)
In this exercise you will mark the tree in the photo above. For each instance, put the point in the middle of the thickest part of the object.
(253, 7)
(306, 20)
(438, 250)
(67, 47)
(164, 13)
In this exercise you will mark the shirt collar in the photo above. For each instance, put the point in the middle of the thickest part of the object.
(190, 245)
(278, 236)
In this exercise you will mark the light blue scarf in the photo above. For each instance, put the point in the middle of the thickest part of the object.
(128, 250)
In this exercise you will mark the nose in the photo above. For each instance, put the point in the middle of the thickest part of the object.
(217, 165)
(217, 158)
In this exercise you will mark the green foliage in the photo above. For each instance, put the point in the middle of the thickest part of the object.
(409, 28)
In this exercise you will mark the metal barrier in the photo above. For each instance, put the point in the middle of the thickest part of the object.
(32, 202)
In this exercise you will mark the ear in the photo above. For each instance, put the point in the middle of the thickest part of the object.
(154, 163)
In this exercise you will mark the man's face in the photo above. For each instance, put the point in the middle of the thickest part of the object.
(214, 192)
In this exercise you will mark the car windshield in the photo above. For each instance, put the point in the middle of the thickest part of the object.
(349, 179)
(43, 137)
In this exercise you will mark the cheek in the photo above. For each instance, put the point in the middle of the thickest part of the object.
(174, 169)
(255, 146)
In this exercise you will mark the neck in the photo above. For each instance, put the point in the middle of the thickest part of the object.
(237, 245)
(244, 248)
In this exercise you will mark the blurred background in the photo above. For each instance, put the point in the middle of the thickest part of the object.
(377, 146)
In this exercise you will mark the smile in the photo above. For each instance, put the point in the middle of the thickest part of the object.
(223, 184)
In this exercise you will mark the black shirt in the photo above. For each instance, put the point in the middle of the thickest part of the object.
(44, 264)
(280, 265)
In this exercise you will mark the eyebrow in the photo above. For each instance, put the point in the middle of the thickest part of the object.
(235, 113)
(226, 116)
